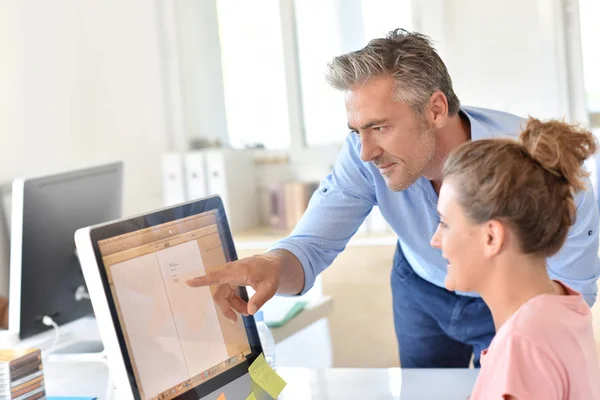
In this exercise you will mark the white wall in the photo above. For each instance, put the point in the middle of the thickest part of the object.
(80, 84)
(513, 55)
(509, 55)
(199, 53)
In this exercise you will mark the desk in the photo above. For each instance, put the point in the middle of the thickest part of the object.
(313, 312)
(377, 384)
(91, 379)
(77, 379)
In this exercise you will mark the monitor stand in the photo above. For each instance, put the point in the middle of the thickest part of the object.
(84, 346)
(77, 341)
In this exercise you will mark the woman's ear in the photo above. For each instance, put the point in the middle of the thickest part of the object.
(494, 237)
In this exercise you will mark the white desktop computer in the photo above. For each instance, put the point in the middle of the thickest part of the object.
(164, 339)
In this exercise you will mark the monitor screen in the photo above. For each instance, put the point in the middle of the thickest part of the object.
(175, 336)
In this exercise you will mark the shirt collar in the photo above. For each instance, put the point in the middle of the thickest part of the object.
(478, 131)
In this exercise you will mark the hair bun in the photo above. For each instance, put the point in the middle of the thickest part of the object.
(560, 148)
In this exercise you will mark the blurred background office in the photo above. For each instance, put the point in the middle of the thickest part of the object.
(199, 97)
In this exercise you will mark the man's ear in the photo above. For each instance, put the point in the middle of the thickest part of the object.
(494, 237)
(438, 108)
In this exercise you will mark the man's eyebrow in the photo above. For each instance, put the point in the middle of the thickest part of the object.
(369, 124)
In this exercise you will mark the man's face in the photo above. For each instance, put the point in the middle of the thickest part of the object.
(392, 137)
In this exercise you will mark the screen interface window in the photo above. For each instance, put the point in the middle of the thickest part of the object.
(175, 336)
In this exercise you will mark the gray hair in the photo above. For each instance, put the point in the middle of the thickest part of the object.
(407, 57)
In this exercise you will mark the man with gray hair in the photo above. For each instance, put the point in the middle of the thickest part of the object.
(404, 119)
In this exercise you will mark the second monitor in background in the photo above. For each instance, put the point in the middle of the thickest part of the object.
(45, 275)
(5, 193)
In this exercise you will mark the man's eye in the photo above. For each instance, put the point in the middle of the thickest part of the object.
(378, 128)
(355, 132)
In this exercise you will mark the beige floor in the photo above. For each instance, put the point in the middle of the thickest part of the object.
(362, 327)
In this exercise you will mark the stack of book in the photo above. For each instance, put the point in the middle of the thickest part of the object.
(288, 202)
(21, 375)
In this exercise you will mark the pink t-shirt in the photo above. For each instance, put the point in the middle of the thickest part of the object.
(545, 351)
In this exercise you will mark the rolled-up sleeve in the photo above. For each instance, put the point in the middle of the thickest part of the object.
(335, 212)
(577, 263)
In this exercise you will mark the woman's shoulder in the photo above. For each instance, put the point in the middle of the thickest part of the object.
(551, 321)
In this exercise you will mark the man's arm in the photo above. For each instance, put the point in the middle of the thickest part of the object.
(335, 212)
(291, 275)
(577, 263)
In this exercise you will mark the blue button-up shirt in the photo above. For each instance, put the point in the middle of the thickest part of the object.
(347, 195)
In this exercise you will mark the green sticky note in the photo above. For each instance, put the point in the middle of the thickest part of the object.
(251, 397)
(266, 377)
(295, 310)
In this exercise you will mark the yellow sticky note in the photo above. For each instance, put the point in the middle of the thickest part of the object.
(265, 377)
(251, 397)
(221, 397)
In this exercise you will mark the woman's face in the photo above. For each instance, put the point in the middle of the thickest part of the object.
(462, 242)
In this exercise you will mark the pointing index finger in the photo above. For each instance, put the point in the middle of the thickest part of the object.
(234, 276)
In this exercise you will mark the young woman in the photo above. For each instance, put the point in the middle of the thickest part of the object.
(506, 206)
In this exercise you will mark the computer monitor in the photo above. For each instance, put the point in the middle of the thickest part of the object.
(164, 339)
(5, 194)
(45, 275)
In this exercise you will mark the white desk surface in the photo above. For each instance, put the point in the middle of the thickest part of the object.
(77, 379)
(91, 379)
(377, 384)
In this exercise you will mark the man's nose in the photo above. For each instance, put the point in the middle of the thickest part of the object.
(369, 149)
